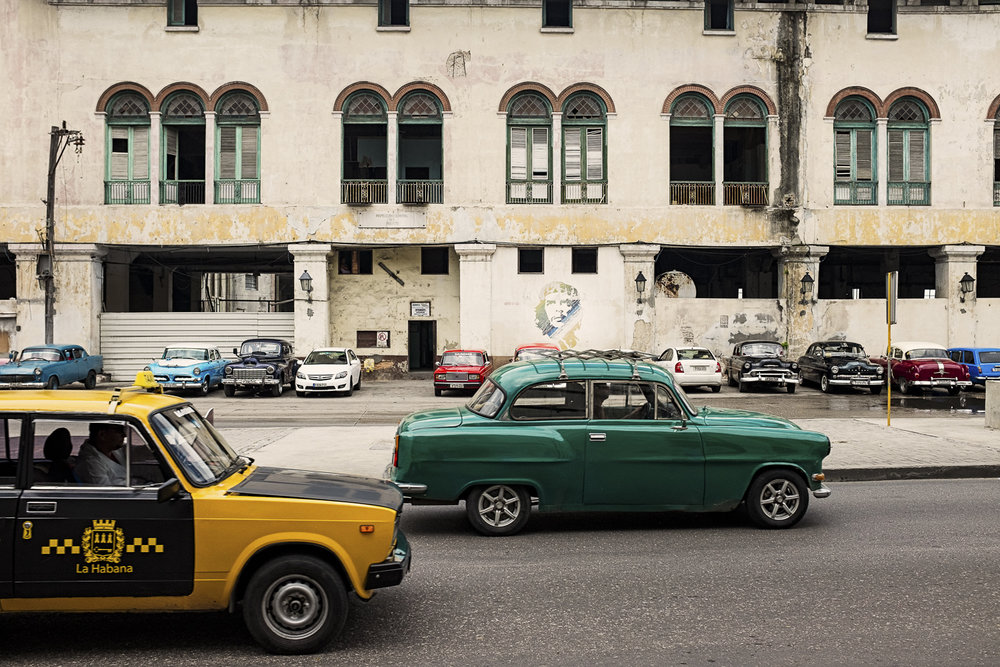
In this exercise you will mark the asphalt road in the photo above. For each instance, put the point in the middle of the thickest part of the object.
(880, 573)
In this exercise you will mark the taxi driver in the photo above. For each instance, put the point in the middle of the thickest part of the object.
(99, 460)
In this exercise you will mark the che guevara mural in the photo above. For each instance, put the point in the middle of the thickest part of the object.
(557, 314)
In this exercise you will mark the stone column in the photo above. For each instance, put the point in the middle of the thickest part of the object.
(475, 277)
(719, 159)
(773, 161)
(794, 263)
(639, 310)
(312, 310)
(391, 156)
(155, 173)
(882, 166)
(951, 263)
(557, 140)
(209, 157)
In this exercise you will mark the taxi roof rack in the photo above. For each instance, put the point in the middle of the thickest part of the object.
(633, 358)
(144, 383)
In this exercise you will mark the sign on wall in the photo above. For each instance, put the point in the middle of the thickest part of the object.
(420, 309)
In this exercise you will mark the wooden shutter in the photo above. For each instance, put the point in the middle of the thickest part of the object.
(140, 153)
(996, 144)
(916, 151)
(863, 160)
(170, 139)
(119, 159)
(896, 160)
(595, 153)
(540, 153)
(227, 152)
(571, 146)
(518, 153)
(248, 152)
(842, 157)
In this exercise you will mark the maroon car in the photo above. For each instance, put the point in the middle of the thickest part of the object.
(917, 365)
(461, 369)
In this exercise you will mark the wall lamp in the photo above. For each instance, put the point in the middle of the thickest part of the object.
(306, 282)
(640, 286)
(807, 288)
(967, 284)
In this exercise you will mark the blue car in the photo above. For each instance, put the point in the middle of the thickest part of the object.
(50, 367)
(983, 363)
(189, 367)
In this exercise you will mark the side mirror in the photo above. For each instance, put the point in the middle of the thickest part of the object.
(168, 490)
(210, 416)
(436, 364)
(13, 355)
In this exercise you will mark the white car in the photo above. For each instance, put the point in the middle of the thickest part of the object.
(692, 367)
(329, 369)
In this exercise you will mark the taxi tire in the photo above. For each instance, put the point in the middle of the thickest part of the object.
(479, 499)
(295, 580)
(777, 486)
(90, 381)
(205, 386)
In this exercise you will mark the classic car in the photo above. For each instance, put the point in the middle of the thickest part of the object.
(916, 365)
(840, 363)
(50, 366)
(265, 365)
(172, 519)
(189, 367)
(461, 369)
(329, 369)
(761, 362)
(982, 363)
(533, 351)
(600, 431)
(692, 367)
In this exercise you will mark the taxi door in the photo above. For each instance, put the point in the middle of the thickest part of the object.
(10, 437)
(75, 540)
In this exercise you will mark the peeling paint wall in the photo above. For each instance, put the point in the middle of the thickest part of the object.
(717, 324)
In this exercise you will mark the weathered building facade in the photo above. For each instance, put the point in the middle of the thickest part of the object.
(455, 173)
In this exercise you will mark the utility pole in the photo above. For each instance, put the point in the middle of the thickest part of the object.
(59, 139)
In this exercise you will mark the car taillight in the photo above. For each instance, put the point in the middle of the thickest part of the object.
(395, 453)
(678, 368)
(718, 367)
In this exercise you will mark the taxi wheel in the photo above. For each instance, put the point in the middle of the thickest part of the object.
(206, 385)
(229, 390)
(90, 381)
(498, 510)
(295, 605)
(777, 499)
(53, 383)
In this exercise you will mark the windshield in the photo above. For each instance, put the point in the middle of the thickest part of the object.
(326, 357)
(488, 400)
(461, 359)
(185, 353)
(762, 350)
(695, 354)
(40, 354)
(264, 348)
(533, 353)
(927, 353)
(843, 349)
(683, 397)
(992, 357)
(194, 444)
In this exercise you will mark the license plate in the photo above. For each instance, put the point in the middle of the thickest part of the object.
(315, 386)
(859, 383)
(700, 368)
(944, 381)
(456, 385)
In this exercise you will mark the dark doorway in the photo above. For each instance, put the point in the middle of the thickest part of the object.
(422, 345)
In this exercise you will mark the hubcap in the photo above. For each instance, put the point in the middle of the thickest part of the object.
(295, 607)
(499, 506)
(779, 500)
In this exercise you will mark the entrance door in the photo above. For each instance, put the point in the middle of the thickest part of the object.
(422, 344)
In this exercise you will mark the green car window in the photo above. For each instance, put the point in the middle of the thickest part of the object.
(487, 401)
(551, 400)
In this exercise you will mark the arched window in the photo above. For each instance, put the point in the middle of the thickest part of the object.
(365, 178)
(419, 177)
(237, 150)
(909, 150)
(854, 153)
(584, 150)
(182, 162)
(692, 177)
(744, 162)
(126, 171)
(529, 150)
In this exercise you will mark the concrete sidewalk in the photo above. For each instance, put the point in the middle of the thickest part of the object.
(862, 448)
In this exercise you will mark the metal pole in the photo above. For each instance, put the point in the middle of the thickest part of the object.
(50, 226)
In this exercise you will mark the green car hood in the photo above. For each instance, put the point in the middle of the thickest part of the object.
(727, 417)
(437, 418)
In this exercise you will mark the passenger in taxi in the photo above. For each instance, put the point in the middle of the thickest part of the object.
(98, 461)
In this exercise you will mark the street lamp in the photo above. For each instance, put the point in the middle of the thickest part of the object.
(967, 284)
(640, 286)
(306, 282)
(807, 288)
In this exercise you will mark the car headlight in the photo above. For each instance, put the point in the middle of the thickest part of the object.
(746, 366)
(229, 370)
(795, 366)
(880, 370)
(341, 374)
(834, 369)
(197, 371)
(300, 375)
(146, 368)
(38, 371)
(473, 376)
(269, 370)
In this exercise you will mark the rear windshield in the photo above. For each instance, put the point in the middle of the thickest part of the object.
(461, 359)
(927, 353)
(992, 357)
(694, 354)
(488, 400)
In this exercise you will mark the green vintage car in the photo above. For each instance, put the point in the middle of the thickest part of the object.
(603, 430)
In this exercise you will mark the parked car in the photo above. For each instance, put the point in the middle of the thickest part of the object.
(265, 364)
(982, 363)
(761, 362)
(692, 367)
(50, 366)
(608, 432)
(916, 365)
(840, 363)
(533, 351)
(179, 521)
(461, 369)
(329, 369)
(189, 367)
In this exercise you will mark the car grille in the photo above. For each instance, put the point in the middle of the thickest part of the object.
(771, 373)
(456, 377)
(319, 377)
(249, 373)
(18, 378)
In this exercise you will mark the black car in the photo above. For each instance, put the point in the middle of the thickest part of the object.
(265, 365)
(761, 363)
(840, 363)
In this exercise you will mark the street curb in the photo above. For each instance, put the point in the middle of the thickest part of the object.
(922, 472)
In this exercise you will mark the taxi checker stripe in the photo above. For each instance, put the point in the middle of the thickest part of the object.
(144, 546)
(54, 547)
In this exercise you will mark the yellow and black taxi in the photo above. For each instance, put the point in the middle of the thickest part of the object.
(130, 500)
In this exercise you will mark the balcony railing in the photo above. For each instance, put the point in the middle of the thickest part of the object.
(585, 192)
(694, 193)
(744, 194)
(855, 193)
(126, 192)
(419, 192)
(364, 192)
(182, 192)
(239, 191)
(529, 192)
(909, 194)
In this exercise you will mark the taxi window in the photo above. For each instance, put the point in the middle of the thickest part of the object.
(200, 450)
(665, 406)
(10, 441)
(622, 400)
(551, 400)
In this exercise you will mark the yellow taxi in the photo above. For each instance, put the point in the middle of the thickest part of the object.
(130, 500)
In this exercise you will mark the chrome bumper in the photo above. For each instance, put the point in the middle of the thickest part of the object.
(407, 488)
(821, 492)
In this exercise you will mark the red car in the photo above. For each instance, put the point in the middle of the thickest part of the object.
(917, 365)
(461, 369)
(531, 351)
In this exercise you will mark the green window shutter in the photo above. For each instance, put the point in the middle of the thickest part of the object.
(863, 143)
(843, 155)
(140, 153)
(518, 154)
(571, 146)
(996, 144)
(595, 153)
(227, 152)
(170, 141)
(539, 153)
(119, 158)
(916, 154)
(897, 166)
(248, 152)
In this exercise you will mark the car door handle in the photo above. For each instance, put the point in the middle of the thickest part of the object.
(598, 437)
(40, 507)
